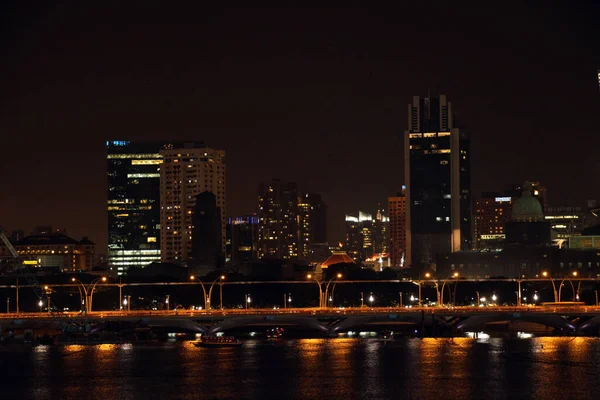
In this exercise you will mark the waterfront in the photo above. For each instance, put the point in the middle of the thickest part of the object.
(460, 368)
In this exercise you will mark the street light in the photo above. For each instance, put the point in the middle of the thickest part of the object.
(338, 276)
(167, 301)
(545, 274)
(220, 279)
(494, 297)
(371, 298)
(88, 291)
(192, 277)
(248, 300)
(441, 293)
(41, 304)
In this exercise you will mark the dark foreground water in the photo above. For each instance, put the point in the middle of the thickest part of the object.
(541, 368)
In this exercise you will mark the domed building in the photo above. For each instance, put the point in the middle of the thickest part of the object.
(527, 225)
(527, 208)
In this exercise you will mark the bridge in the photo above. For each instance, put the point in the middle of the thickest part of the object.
(563, 319)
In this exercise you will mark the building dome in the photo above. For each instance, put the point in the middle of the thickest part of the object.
(527, 208)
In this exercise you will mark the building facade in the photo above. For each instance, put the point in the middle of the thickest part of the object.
(133, 204)
(438, 176)
(359, 236)
(188, 169)
(397, 211)
(492, 212)
(243, 237)
(381, 232)
(278, 220)
(58, 251)
(207, 236)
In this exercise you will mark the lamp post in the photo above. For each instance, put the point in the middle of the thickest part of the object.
(17, 296)
(362, 300)
(478, 301)
(371, 299)
(545, 274)
(441, 293)
(127, 302)
(41, 304)
(338, 276)
(575, 294)
(167, 302)
(220, 279)
(88, 291)
(494, 298)
(318, 282)
(192, 277)
(596, 292)
(8, 305)
(400, 304)
(248, 300)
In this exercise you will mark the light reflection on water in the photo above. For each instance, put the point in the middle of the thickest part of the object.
(346, 368)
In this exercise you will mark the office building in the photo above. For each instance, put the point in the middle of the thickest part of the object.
(207, 236)
(566, 221)
(359, 236)
(133, 204)
(243, 237)
(397, 228)
(278, 220)
(305, 223)
(437, 172)
(381, 233)
(312, 223)
(318, 217)
(492, 212)
(56, 250)
(188, 169)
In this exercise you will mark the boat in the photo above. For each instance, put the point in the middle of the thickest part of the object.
(218, 341)
(275, 333)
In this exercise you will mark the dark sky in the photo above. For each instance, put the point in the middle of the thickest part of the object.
(313, 95)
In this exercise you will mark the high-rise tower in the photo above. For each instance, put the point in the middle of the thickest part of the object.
(278, 220)
(437, 172)
(133, 204)
(187, 170)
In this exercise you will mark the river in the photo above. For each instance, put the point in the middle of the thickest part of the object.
(459, 368)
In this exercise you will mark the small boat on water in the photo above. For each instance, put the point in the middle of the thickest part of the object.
(275, 333)
(218, 341)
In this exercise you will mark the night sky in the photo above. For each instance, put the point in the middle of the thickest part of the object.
(314, 95)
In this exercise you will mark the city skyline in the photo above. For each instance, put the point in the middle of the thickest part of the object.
(334, 106)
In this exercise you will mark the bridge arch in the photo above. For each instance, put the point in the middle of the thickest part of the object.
(480, 322)
(266, 321)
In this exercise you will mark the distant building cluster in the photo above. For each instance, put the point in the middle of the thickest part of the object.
(167, 203)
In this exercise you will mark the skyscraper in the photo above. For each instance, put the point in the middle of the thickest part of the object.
(437, 172)
(305, 223)
(133, 204)
(492, 212)
(397, 228)
(207, 236)
(188, 169)
(312, 223)
(318, 212)
(244, 237)
(381, 232)
(359, 236)
(278, 220)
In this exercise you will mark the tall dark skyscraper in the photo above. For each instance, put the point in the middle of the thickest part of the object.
(133, 206)
(438, 176)
(243, 237)
(207, 249)
(359, 236)
(278, 220)
(318, 217)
